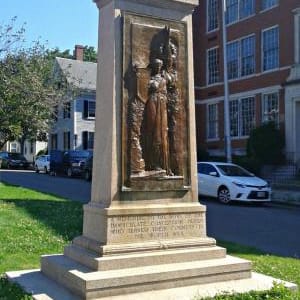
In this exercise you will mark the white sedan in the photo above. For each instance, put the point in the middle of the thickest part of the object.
(228, 182)
(42, 163)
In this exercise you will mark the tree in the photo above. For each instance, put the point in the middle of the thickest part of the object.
(89, 54)
(28, 94)
(10, 37)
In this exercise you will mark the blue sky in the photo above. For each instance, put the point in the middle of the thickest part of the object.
(59, 23)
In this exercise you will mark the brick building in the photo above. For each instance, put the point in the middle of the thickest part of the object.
(263, 60)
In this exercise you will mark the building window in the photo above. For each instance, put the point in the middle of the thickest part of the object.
(270, 45)
(238, 9)
(232, 11)
(246, 8)
(14, 147)
(266, 4)
(67, 140)
(87, 140)
(234, 117)
(213, 71)
(233, 60)
(212, 15)
(67, 110)
(248, 56)
(270, 108)
(54, 141)
(242, 116)
(212, 126)
(89, 109)
(241, 57)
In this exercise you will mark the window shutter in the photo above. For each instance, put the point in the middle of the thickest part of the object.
(84, 140)
(85, 109)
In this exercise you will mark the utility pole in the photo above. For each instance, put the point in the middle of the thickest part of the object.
(227, 137)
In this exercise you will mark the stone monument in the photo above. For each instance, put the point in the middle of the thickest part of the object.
(144, 231)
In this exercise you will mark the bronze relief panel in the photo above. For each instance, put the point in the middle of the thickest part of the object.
(155, 105)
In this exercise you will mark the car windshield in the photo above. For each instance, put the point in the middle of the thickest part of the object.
(79, 154)
(231, 170)
(16, 156)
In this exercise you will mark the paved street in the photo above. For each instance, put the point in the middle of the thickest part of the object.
(272, 228)
(70, 188)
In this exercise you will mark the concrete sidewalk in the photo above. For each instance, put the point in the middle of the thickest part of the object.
(286, 193)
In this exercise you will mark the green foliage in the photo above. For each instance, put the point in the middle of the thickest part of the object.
(28, 93)
(278, 292)
(10, 291)
(89, 54)
(265, 144)
(202, 155)
(249, 163)
(42, 152)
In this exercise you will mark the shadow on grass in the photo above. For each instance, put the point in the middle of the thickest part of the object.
(236, 249)
(62, 217)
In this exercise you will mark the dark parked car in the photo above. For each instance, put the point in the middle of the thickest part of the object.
(67, 162)
(11, 160)
(87, 168)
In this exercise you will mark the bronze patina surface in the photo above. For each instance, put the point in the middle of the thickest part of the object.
(155, 104)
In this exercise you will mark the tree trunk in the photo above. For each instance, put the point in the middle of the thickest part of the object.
(22, 144)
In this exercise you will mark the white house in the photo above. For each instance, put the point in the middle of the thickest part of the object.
(75, 121)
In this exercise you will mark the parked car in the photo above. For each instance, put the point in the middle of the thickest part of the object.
(87, 168)
(12, 160)
(67, 162)
(228, 182)
(42, 163)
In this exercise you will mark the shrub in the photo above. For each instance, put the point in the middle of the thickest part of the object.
(250, 163)
(202, 155)
(265, 144)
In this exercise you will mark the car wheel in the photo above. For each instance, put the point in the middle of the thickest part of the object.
(45, 170)
(224, 195)
(87, 175)
(36, 169)
(69, 172)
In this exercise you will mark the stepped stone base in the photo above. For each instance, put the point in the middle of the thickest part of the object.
(93, 269)
(43, 288)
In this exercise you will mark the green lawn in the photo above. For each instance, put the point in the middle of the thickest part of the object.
(33, 223)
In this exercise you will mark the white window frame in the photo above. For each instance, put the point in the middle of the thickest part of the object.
(240, 57)
(297, 35)
(214, 121)
(273, 114)
(217, 66)
(262, 50)
(239, 18)
(241, 120)
(14, 147)
(269, 7)
(208, 14)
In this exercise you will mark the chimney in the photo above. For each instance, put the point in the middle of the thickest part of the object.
(78, 52)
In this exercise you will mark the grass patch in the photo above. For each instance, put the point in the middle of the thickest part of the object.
(34, 223)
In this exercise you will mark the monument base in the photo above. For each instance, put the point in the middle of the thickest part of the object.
(140, 251)
(43, 288)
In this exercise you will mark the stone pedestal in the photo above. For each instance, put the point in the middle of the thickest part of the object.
(144, 230)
